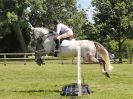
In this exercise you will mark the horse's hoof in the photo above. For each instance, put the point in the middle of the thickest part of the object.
(39, 64)
(106, 74)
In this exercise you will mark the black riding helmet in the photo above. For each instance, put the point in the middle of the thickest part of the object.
(56, 21)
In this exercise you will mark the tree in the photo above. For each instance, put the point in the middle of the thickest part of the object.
(64, 10)
(15, 14)
(49, 10)
(113, 20)
(13, 19)
(89, 31)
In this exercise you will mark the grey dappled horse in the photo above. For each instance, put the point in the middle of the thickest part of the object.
(89, 49)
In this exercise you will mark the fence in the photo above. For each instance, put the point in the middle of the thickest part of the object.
(24, 57)
(21, 57)
(127, 57)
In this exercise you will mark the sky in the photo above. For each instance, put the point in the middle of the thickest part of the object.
(84, 4)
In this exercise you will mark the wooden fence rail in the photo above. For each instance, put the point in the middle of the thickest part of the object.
(127, 57)
(23, 57)
(16, 56)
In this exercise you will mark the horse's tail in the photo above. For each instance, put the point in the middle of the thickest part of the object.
(104, 54)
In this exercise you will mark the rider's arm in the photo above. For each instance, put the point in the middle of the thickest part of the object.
(58, 29)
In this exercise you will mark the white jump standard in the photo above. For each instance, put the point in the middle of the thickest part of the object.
(76, 89)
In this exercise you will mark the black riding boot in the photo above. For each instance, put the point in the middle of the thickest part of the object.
(56, 48)
(57, 44)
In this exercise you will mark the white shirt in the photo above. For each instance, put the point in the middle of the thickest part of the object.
(62, 28)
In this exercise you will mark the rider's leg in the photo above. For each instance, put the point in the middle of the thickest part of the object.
(56, 47)
(57, 44)
(59, 38)
(65, 35)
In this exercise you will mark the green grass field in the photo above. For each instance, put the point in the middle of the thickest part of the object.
(18, 81)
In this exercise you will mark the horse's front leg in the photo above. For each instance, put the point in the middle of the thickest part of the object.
(38, 58)
(43, 62)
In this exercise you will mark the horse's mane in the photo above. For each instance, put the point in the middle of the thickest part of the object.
(41, 30)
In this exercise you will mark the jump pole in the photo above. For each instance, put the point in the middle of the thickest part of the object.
(79, 71)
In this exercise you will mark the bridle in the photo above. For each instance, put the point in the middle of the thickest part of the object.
(39, 53)
(41, 38)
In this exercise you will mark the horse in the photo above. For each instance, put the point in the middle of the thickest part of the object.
(89, 49)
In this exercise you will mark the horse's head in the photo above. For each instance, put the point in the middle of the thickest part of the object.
(42, 39)
(37, 34)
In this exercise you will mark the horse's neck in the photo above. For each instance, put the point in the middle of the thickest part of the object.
(41, 31)
(48, 43)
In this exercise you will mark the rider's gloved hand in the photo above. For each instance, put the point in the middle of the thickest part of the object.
(58, 37)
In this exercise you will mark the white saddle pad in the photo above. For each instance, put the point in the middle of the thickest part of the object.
(67, 42)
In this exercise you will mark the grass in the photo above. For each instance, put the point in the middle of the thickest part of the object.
(18, 81)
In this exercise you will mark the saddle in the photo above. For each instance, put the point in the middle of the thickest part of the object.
(63, 42)
(59, 42)
(67, 42)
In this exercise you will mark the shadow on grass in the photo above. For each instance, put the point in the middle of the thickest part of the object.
(32, 91)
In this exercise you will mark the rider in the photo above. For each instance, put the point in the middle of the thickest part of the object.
(63, 32)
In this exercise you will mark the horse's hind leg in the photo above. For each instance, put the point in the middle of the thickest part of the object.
(91, 58)
(103, 68)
